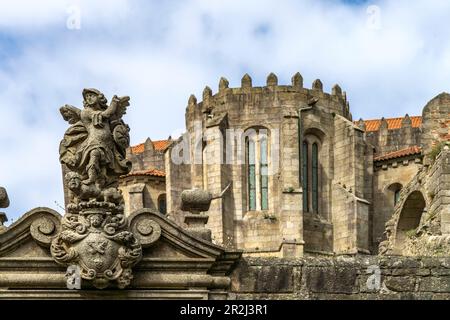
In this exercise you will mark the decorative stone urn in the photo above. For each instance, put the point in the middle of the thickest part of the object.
(197, 202)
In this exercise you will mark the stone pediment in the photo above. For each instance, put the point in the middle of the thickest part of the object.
(178, 247)
(30, 236)
(172, 259)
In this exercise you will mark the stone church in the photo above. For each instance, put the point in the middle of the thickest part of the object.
(303, 177)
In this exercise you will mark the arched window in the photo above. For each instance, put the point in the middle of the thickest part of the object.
(257, 169)
(251, 173)
(315, 177)
(162, 207)
(396, 196)
(264, 170)
(394, 192)
(305, 176)
(310, 174)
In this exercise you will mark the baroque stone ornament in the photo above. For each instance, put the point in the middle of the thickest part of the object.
(95, 233)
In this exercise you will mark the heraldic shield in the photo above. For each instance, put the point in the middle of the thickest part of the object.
(100, 244)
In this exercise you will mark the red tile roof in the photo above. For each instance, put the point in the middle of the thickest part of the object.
(159, 145)
(149, 172)
(399, 153)
(137, 149)
(393, 123)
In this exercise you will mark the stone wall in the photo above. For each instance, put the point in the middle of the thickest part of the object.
(147, 158)
(342, 277)
(142, 192)
(386, 140)
(436, 122)
(388, 177)
(350, 208)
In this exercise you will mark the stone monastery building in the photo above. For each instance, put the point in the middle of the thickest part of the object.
(303, 177)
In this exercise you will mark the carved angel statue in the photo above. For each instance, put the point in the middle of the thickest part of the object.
(94, 146)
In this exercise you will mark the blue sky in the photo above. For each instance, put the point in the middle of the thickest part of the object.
(390, 56)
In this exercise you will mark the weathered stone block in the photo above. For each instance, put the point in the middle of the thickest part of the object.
(435, 284)
(400, 284)
(331, 280)
(258, 279)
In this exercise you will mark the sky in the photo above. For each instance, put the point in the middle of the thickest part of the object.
(391, 57)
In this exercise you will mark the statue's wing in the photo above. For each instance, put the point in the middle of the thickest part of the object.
(124, 102)
(70, 113)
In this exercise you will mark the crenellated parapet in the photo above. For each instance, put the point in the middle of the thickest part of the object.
(392, 134)
(283, 95)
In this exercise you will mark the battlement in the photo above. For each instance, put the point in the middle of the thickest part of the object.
(375, 125)
(336, 100)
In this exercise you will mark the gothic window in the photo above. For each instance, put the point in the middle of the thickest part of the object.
(310, 174)
(264, 174)
(315, 177)
(251, 167)
(257, 169)
(305, 176)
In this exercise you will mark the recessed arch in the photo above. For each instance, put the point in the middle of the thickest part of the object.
(409, 218)
(315, 132)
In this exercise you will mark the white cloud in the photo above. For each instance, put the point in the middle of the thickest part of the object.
(161, 52)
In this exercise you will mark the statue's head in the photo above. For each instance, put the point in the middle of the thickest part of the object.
(73, 181)
(96, 220)
(94, 99)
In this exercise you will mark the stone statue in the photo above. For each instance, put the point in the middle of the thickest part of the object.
(95, 233)
(94, 146)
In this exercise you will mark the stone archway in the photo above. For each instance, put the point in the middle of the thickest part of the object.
(409, 218)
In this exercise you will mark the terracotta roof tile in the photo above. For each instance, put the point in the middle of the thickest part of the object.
(159, 145)
(399, 153)
(149, 172)
(393, 123)
(137, 149)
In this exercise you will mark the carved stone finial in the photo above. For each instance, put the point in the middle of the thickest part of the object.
(197, 201)
(297, 80)
(246, 81)
(207, 93)
(223, 84)
(361, 124)
(336, 90)
(192, 100)
(95, 235)
(383, 124)
(4, 200)
(406, 121)
(272, 80)
(317, 85)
